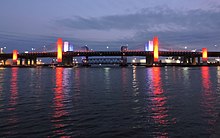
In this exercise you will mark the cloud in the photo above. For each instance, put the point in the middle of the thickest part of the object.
(152, 20)
(176, 28)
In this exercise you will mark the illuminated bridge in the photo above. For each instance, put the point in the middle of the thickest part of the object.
(66, 58)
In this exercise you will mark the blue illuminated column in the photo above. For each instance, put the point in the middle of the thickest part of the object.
(147, 47)
(70, 47)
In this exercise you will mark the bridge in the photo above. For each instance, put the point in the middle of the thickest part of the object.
(66, 58)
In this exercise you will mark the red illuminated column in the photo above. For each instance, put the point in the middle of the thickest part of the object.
(156, 47)
(204, 55)
(15, 57)
(59, 50)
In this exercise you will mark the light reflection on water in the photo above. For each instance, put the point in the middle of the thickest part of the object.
(59, 109)
(1, 87)
(13, 119)
(13, 89)
(208, 97)
(109, 102)
(159, 109)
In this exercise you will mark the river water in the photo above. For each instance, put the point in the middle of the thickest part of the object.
(109, 102)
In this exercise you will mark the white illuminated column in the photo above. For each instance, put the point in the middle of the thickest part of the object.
(66, 46)
(150, 46)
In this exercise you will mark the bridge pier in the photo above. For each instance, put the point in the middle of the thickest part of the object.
(123, 56)
(124, 61)
(20, 61)
(86, 61)
(149, 60)
(184, 60)
(67, 61)
(26, 61)
(30, 61)
(35, 61)
(198, 60)
(4, 61)
(193, 60)
(189, 60)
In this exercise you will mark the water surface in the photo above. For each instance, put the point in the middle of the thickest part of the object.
(109, 101)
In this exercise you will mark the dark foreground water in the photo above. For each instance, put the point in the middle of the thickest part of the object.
(109, 102)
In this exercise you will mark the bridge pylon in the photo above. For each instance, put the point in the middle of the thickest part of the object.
(156, 49)
(204, 55)
(123, 56)
(59, 50)
(15, 57)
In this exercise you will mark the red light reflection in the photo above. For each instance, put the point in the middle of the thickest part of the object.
(13, 89)
(13, 98)
(159, 100)
(59, 111)
(205, 78)
(209, 100)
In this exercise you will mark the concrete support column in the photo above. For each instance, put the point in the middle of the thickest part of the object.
(124, 60)
(194, 60)
(149, 60)
(189, 60)
(35, 61)
(21, 61)
(26, 61)
(68, 61)
(86, 61)
(198, 60)
(31, 61)
(184, 60)
(4, 61)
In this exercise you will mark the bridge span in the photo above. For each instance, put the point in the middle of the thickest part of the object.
(193, 57)
(66, 58)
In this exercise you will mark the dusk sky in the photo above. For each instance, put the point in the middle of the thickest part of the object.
(99, 23)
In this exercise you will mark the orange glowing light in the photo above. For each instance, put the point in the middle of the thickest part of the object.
(204, 54)
(15, 56)
(156, 49)
(59, 50)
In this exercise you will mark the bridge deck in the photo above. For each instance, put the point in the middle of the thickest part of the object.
(108, 53)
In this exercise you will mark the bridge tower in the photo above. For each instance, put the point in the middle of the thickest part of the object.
(149, 57)
(124, 57)
(59, 50)
(204, 55)
(156, 49)
(67, 59)
(15, 57)
(85, 61)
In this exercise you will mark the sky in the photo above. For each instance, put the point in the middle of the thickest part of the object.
(27, 24)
